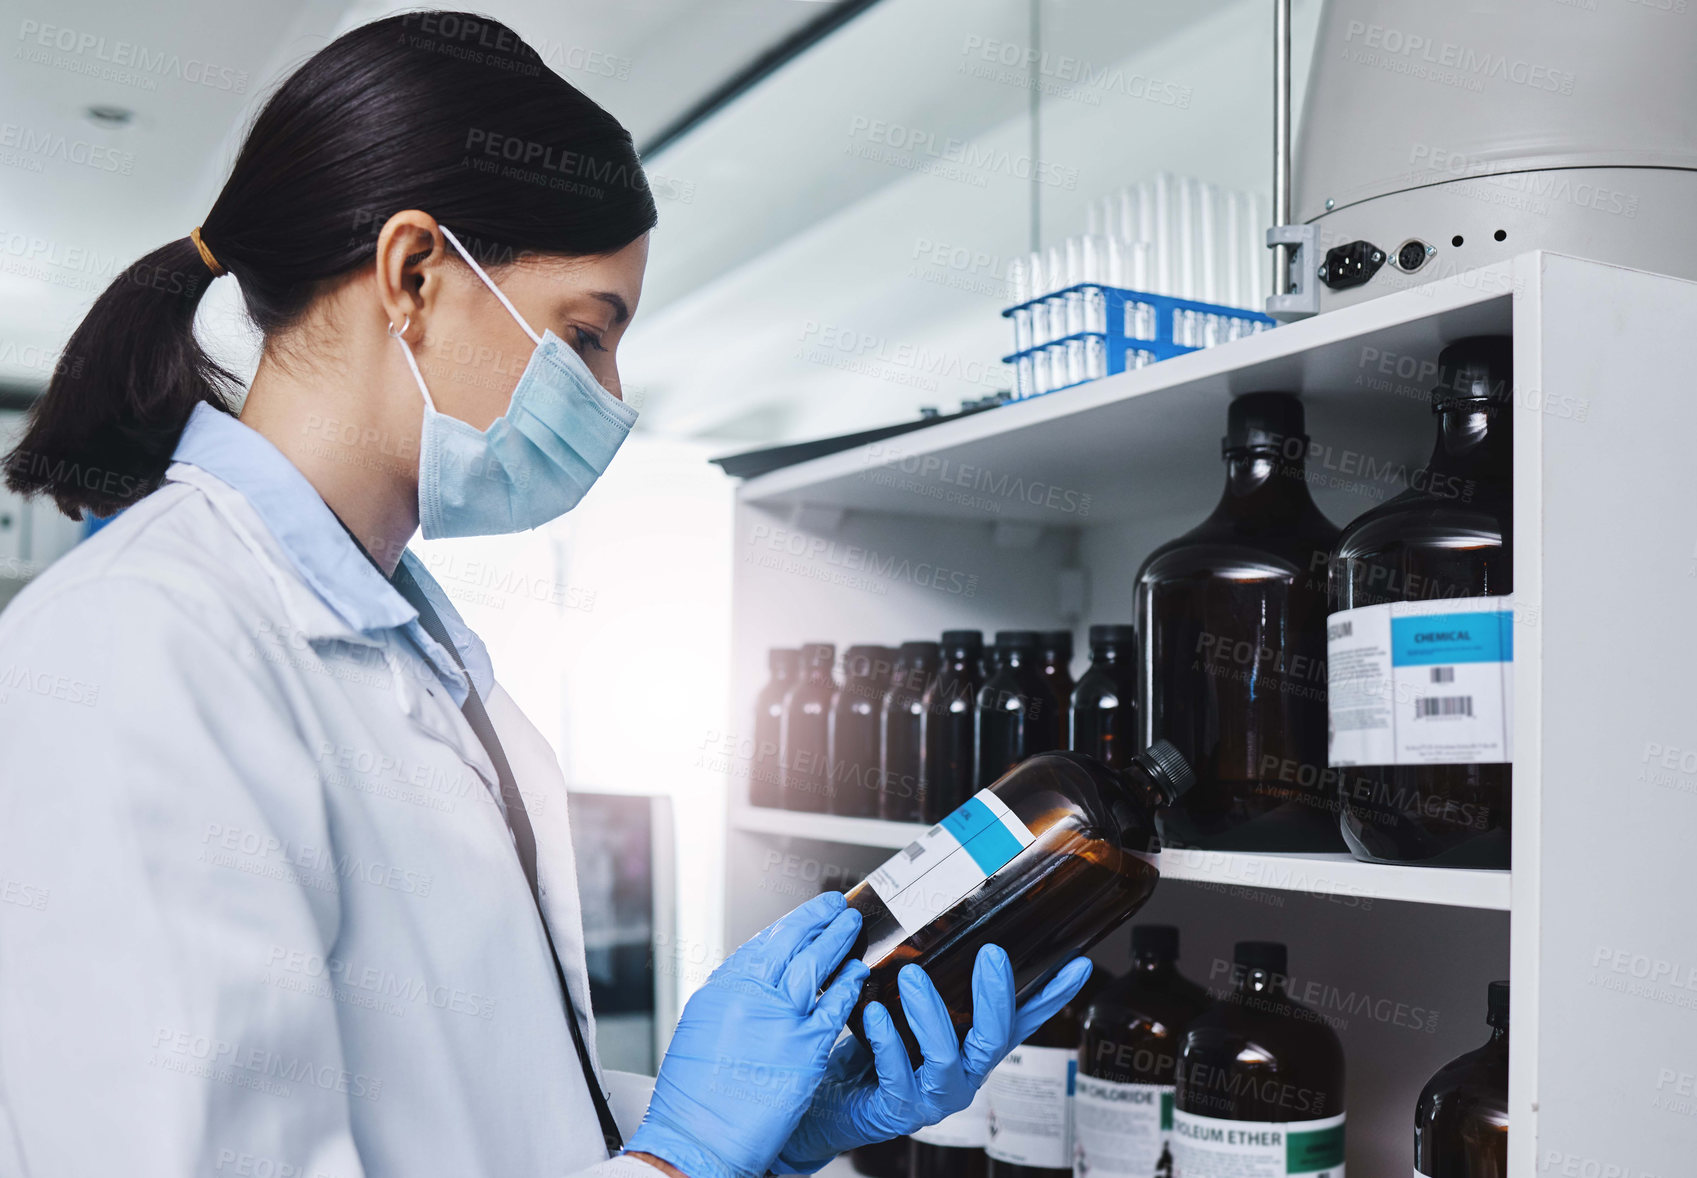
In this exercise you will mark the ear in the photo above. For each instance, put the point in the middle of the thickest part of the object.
(410, 255)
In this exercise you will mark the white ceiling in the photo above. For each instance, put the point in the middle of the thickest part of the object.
(777, 232)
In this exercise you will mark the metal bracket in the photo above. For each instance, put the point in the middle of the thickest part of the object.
(1304, 298)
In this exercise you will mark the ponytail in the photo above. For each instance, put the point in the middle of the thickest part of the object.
(449, 112)
(102, 435)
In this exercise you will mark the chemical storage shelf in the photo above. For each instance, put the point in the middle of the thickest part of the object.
(1337, 875)
(1125, 446)
(1038, 515)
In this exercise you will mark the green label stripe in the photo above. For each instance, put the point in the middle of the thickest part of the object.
(1314, 1150)
(1167, 1111)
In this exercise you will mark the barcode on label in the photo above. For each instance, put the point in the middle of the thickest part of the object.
(913, 851)
(1443, 705)
(1443, 674)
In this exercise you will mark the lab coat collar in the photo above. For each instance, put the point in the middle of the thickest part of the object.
(350, 599)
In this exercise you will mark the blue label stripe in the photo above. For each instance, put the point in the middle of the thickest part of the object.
(1453, 638)
(982, 835)
(1072, 1076)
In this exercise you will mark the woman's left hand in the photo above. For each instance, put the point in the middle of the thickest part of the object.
(864, 1100)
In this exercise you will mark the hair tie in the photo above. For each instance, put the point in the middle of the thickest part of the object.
(206, 254)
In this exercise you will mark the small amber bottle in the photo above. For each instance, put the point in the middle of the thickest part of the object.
(853, 738)
(949, 737)
(1461, 1122)
(804, 743)
(903, 724)
(1018, 715)
(765, 781)
(1104, 704)
(1123, 1112)
(1259, 1085)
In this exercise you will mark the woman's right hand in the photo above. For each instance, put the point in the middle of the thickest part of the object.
(752, 1044)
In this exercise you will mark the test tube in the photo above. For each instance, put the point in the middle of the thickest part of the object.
(1162, 240)
(1117, 268)
(1129, 224)
(1075, 275)
(1039, 311)
(1236, 261)
(1040, 382)
(1055, 262)
(1094, 270)
(1189, 239)
(1207, 198)
(1019, 289)
(1095, 358)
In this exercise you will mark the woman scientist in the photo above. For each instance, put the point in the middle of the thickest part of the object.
(290, 877)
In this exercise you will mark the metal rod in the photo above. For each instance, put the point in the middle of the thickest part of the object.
(1281, 140)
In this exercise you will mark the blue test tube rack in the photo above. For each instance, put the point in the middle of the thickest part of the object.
(1179, 326)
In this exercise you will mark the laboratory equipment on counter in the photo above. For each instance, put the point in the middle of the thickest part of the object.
(1231, 621)
(1420, 640)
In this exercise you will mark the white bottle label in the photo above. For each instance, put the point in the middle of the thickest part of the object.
(1422, 683)
(1207, 1147)
(1030, 1099)
(931, 874)
(1120, 1128)
(966, 1129)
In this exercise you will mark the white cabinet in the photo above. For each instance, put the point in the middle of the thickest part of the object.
(1038, 514)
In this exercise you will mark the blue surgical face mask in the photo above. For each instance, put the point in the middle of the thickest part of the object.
(536, 461)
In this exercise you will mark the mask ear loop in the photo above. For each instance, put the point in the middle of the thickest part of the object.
(487, 281)
(400, 337)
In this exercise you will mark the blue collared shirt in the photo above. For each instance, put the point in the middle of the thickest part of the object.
(322, 551)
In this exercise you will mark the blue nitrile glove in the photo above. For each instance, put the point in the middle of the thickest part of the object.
(752, 1046)
(859, 1105)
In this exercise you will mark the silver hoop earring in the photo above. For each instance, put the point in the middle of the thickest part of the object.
(393, 334)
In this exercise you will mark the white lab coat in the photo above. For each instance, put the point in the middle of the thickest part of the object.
(259, 912)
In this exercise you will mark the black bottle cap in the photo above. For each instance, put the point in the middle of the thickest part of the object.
(1058, 645)
(1159, 941)
(963, 643)
(918, 654)
(1262, 955)
(1264, 420)
(860, 662)
(1167, 767)
(818, 654)
(1021, 640)
(1496, 1004)
(1479, 368)
(783, 660)
(1112, 636)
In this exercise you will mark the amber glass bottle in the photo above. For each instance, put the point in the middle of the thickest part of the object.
(1018, 716)
(1259, 1085)
(854, 731)
(1054, 650)
(1104, 704)
(1461, 1122)
(949, 739)
(1421, 637)
(884, 1159)
(903, 731)
(954, 1146)
(1029, 1095)
(765, 781)
(1123, 1111)
(1231, 618)
(804, 741)
(1044, 864)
